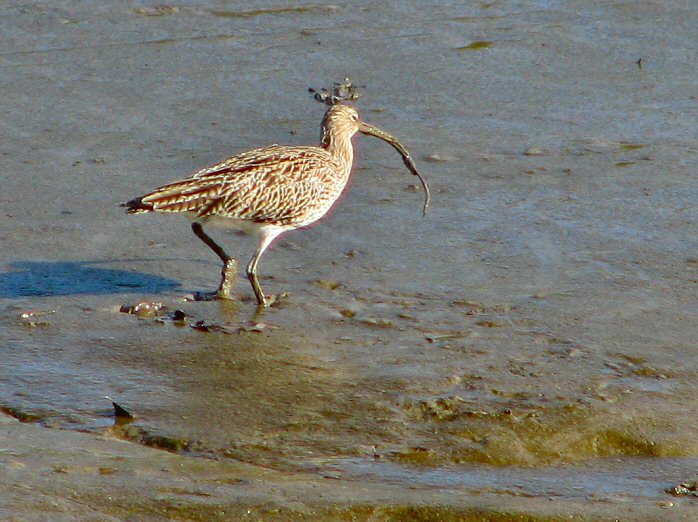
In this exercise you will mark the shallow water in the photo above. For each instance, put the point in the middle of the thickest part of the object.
(542, 313)
(616, 479)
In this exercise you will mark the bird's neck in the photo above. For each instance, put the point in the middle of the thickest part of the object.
(339, 145)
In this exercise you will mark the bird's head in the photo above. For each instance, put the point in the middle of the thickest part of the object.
(342, 122)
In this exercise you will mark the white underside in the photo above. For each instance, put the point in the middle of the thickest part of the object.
(248, 227)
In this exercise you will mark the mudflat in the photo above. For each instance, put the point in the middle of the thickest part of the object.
(526, 351)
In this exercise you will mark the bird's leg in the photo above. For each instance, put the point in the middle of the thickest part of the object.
(230, 265)
(266, 240)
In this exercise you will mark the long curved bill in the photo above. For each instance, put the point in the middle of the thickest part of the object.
(370, 130)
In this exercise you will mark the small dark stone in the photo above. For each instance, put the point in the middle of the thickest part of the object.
(121, 412)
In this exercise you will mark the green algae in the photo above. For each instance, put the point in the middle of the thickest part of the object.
(477, 45)
(534, 436)
(262, 12)
(20, 415)
(190, 510)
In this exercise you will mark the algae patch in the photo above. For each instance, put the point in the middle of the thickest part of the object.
(477, 45)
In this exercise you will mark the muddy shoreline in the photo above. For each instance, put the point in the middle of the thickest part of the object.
(67, 475)
(526, 351)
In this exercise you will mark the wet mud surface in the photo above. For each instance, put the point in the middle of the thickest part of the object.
(526, 351)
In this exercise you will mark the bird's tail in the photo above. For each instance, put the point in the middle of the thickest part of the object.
(189, 195)
(137, 206)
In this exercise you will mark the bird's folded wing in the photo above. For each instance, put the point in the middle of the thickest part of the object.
(274, 184)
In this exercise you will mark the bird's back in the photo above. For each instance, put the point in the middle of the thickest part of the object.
(281, 185)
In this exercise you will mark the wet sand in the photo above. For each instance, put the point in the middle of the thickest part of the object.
(66, 475)
(526, 350)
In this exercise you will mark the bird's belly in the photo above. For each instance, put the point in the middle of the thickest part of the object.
(220, 222)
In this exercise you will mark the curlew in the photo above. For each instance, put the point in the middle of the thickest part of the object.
(268, 191)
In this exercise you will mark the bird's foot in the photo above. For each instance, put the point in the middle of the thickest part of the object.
(223, 294)
(225, 289)
(272, 300)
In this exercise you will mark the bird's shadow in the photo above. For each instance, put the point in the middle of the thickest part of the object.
(62, 278)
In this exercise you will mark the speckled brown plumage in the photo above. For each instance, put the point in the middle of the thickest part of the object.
(266, 191)
(284, 186)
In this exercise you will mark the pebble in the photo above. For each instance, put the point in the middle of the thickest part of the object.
(436, 158)
(535, 151)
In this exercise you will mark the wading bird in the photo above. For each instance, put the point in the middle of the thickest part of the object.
(268, 191)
